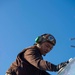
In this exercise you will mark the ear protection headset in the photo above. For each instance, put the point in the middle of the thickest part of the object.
(39, 39)
(45, 37)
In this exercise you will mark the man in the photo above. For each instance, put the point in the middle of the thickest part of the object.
(30, 60)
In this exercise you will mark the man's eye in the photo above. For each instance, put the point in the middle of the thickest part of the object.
(47, 46)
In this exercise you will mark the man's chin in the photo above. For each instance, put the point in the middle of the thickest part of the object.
(44, 54)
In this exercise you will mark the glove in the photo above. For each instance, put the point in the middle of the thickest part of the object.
(63, 64)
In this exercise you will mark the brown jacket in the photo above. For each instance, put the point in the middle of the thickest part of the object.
(30, 62)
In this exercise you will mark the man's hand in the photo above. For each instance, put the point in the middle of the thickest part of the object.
(63, 64)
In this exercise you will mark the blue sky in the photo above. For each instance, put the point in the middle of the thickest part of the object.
(21, 21)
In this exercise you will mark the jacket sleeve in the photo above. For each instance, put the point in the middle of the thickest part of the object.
(34, 58)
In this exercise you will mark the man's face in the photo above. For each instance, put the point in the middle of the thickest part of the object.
(45, 48)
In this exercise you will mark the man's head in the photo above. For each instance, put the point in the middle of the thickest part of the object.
(46, 38)
(45, 43)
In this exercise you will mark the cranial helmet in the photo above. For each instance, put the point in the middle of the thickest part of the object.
(46, 38)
